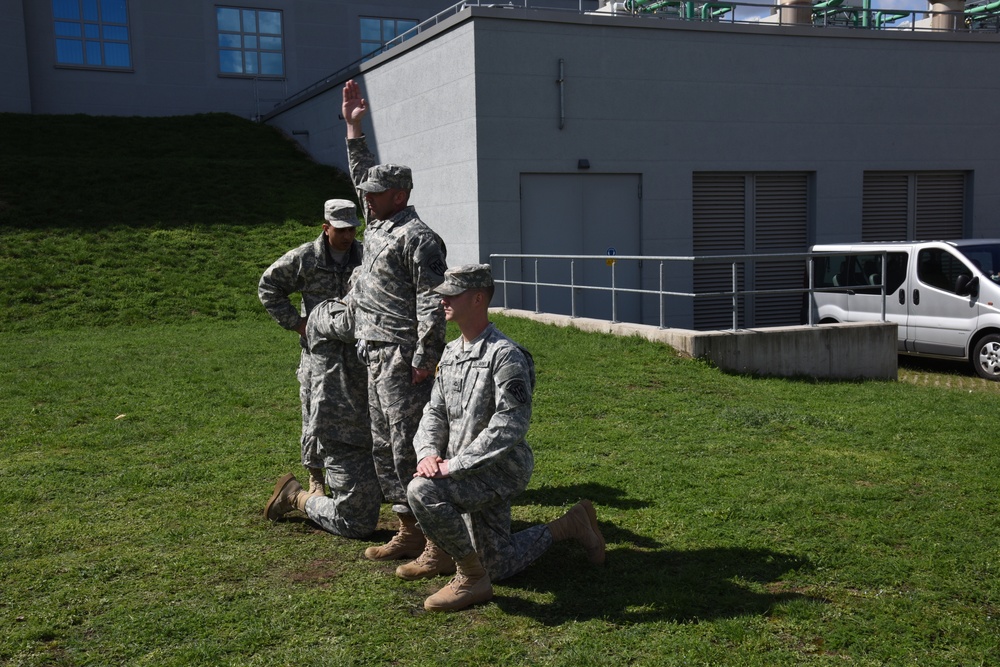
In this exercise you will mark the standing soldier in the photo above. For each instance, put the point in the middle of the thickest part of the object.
(336, 434)
(399, 322)
(473, 458)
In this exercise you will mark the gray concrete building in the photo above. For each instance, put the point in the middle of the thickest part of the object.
(177, 57)
(617, 131)
(543, 132)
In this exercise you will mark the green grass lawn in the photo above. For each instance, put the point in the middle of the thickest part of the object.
(147, 404)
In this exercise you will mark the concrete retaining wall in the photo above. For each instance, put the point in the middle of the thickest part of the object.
(862, 350)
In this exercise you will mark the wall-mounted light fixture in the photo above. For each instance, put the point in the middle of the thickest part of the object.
(583, 163)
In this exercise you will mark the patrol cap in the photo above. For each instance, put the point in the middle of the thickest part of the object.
(457, 279)
(383, 177)
(341, 213)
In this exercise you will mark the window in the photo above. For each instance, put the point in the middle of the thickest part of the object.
(92, 33)
(250, 42)
(856, 272)
(376, 33)
(985, 257)
(939, 268)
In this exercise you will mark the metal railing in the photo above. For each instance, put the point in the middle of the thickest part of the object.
(735, 262)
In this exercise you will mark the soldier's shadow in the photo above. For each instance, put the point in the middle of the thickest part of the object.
(599, 494)
(642, 581)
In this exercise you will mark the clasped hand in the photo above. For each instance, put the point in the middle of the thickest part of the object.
(432, 467)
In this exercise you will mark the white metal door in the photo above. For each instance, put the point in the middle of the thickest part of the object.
(581, 214)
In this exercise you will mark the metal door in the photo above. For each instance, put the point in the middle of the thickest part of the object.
(581, 214)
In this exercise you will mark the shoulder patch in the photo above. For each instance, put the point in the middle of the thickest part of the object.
(518, 389)
(438, 266)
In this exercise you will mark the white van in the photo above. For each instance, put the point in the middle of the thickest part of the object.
(943, 295)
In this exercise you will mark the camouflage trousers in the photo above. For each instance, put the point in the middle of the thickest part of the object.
(352, 508)
(473, 514)
(311, 456)
(395, 405)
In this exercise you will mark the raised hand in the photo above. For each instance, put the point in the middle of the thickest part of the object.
(354, 107)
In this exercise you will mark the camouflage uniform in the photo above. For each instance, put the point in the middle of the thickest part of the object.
(336, 433)
(401, 323)
(477, 419)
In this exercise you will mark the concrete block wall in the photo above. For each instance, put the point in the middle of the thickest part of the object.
(862, 350)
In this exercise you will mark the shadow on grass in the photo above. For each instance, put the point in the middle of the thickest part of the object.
(641, 586)
(569, 494)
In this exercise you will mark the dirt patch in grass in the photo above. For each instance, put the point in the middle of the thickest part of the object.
(316, 573)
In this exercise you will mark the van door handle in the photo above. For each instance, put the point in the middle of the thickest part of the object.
(916, 297)
(902, 296)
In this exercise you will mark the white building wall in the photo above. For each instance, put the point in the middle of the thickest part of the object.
(423, 114)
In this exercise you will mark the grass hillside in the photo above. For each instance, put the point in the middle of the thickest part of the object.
(147, 406)
(124, 221)
(85, 171)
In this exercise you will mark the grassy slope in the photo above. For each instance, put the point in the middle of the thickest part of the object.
(147, 405)
(125, 221)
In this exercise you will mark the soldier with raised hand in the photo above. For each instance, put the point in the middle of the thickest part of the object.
(398, 319)
(474, 459)
(336, 439)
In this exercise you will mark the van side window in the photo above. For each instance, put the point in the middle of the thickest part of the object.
(939, 268)
(830, 271)
(895, 271)
(868, 271)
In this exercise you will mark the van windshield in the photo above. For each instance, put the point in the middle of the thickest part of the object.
(985, 257)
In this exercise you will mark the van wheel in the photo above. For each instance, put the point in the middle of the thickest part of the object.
(986, 357)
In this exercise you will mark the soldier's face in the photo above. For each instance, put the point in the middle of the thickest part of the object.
(459, 306)
(340, 239)
(384, 205)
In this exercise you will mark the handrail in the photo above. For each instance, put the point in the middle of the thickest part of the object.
(501, 278)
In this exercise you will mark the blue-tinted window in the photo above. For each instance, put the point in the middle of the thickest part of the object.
(69, 51)
(90, 12)
(66, 9)
(228, 19)
(250, 41)
(113, 11)
(64, 29)
(270, 23)
(377, 32)
(92, 33)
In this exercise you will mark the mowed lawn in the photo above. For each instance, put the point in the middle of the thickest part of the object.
(147, 405)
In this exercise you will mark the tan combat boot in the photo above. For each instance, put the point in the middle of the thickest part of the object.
(470, 585)
(432, 562)
(288, 496)
(580, 523)
(317, 483)
(407, 543)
